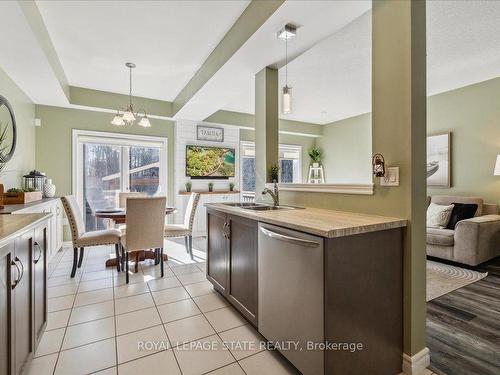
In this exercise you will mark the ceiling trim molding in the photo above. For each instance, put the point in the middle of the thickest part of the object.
(35, 20)
(252, 18)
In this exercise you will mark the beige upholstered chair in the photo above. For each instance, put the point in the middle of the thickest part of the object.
(82, 239)
(185, 229)
(122, 198)
(145, 222)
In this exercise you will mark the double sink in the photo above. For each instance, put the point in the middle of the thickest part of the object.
(260, 207)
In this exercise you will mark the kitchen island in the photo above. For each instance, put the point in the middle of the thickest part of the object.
(326, 287)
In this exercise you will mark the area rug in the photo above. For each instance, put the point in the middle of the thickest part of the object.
(444, 278)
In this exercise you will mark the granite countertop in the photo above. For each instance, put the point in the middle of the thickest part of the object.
(12, 225)
(317, 221)
(10, 208)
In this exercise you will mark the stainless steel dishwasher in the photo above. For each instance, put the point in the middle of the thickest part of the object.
(291, 294)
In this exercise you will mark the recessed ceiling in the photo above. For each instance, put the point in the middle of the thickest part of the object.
(167, 40)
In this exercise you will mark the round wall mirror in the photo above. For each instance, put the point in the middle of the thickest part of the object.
(8, 131)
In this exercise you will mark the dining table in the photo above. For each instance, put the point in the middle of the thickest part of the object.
(119, 216)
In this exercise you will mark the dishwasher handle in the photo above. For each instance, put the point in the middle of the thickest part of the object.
(293, 240)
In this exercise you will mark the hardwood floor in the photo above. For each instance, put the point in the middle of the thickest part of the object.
(463, 327)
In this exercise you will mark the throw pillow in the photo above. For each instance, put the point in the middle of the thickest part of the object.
(461, 211)
(438, 215)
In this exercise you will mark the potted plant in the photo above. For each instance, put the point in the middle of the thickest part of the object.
(274, 171)
(231, 186)
(315, 155)
(188, 186)
(210, 186)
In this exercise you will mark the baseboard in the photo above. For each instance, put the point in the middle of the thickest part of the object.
(416, 364)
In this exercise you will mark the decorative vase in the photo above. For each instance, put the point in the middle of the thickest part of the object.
(315, 165)
(210, 188)
(1, 196)
(49, 189)
(188, 188)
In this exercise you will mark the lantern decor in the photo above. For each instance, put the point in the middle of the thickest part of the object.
(378, 164)
(34, 181)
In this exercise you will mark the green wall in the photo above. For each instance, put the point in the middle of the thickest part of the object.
(24, 110)
(471, 114)
(54, 141)
(346, 147)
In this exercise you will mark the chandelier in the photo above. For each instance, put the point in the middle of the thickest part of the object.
(129, 117)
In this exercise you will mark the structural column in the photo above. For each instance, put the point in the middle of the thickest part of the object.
(266, 126)
(399, 133)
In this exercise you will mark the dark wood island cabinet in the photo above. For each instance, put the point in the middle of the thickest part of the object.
(346, 287)
(23, 288)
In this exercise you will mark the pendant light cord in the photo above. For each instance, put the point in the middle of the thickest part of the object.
(130, 87)
(286, 62)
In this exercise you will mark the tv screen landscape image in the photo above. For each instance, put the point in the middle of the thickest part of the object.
(209, 162)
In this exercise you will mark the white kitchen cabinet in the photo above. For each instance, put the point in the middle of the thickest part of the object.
(200, 219)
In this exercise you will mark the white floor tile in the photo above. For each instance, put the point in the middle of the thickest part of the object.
(185, 269)
(191, 278)
(137, 320)
(94, 296)
(188, 329)
(210, 302)
(91, 312)
(61, 290)
(87, 359)
(128, 304)
(141, 343)
(87, 286)
(131, 290)
(88, 276)
(60, 303)
(42, 365)
(134, 278)
(170, 295)
(199, 289)
(109, 371)
(157, 364)
(267, 362)
(232, 369)
(50, 342)
(86, 333)
(225, 318)
(243, 341)
(178, 310)
(57, 319)
(203, 356)
(163, 283)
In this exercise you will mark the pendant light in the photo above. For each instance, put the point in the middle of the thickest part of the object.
(129, 116)
(288, 32)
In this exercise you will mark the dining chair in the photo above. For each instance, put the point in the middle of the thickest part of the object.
(122, 203)
(185, 229)
(82, 239)
(145, 226)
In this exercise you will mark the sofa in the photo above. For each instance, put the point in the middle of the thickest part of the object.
(473, 241)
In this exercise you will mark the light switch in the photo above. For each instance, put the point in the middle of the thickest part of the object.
(391, 178)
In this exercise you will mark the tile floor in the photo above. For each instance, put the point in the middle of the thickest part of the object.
(176, 325)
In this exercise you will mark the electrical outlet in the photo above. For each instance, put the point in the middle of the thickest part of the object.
(391, 178)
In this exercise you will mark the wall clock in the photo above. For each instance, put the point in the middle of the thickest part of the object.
(8, 131)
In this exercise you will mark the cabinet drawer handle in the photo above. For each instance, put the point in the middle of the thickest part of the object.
(19, 275)
(39, 252)
(22, 269)
(58, 210)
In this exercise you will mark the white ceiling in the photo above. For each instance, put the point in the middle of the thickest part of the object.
(167, 40)
(330, 71)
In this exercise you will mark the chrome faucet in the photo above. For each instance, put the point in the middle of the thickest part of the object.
(274, 194)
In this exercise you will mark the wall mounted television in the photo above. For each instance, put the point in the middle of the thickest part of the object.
(210, 162)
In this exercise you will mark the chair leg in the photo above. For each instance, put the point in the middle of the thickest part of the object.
(75, 261)
(161, 262)
(118, 260)
(81, 257)
(186, 243)
(126, 266)
(136, 266)
(191, 246)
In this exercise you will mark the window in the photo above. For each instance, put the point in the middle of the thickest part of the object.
(105, 164)
(290, 170)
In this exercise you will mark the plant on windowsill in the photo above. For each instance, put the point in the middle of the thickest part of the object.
(210, 187)
(274, 171)
(188, 186)
(231, 186)
(315, 155)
